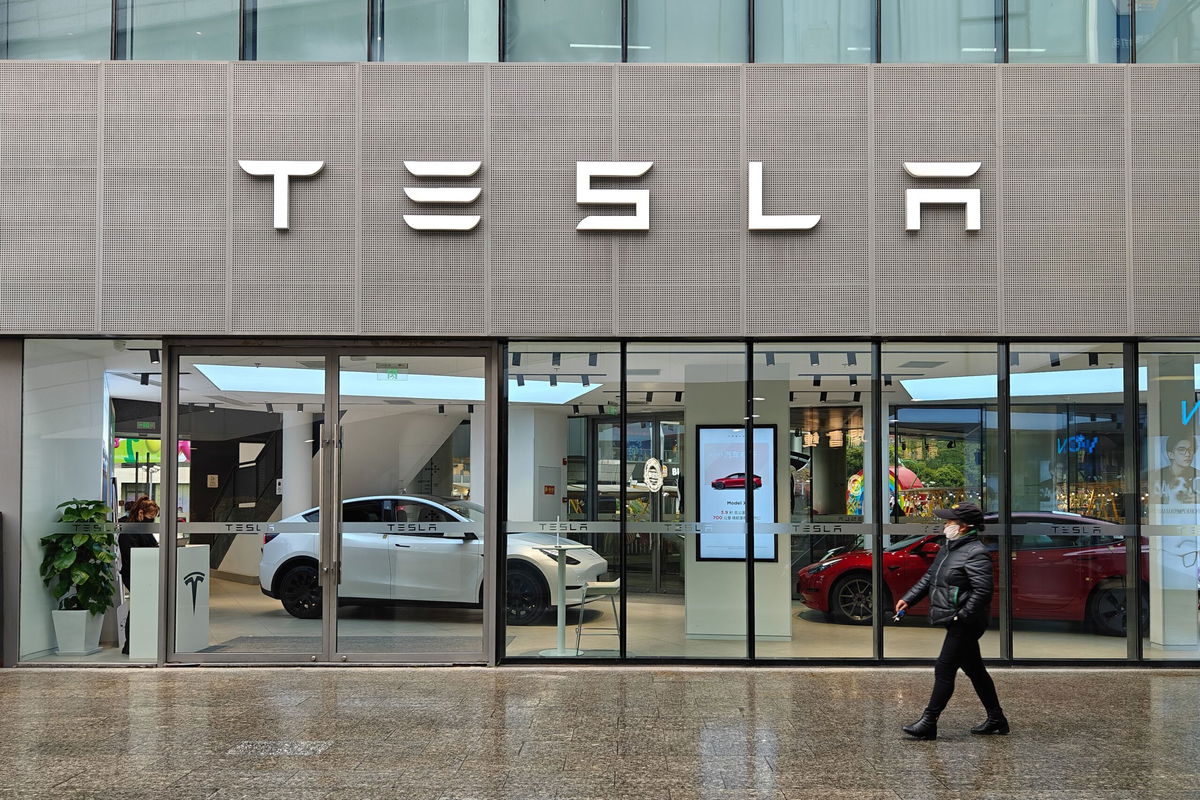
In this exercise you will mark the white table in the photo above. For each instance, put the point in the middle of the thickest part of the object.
(561, 598)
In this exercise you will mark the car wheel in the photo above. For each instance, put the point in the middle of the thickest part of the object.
(718, 484)
(850, 599)
(300, 592)
(526, 596)
(1106, 609)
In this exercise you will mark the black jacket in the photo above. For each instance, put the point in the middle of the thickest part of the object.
(958, 582)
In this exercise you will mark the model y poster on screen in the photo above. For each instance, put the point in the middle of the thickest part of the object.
(723, 479)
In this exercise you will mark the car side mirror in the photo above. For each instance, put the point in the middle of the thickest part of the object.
(929, 549)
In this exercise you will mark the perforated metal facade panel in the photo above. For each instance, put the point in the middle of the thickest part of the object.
(122, 178)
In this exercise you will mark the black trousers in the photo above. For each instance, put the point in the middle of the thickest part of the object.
(960, 650)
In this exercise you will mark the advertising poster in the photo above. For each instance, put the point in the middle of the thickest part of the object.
(721, 451)
(1174, 479)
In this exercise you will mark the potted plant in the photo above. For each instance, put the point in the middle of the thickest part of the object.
(78, 571)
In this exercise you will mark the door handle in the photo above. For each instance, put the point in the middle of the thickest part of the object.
(402, 545)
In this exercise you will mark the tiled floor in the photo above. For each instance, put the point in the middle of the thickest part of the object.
(549, 734)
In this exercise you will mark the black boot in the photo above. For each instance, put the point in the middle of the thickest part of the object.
(995, 723)
(924, 728)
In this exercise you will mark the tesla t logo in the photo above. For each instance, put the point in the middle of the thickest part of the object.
(193, 580)
(587, 195)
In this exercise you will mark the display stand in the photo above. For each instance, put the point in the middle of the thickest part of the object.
(561, 599)
(143, 603)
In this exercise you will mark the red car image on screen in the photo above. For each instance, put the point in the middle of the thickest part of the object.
(736, 480)
(1063, 568)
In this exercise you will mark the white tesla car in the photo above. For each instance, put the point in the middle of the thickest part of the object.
(404, 549)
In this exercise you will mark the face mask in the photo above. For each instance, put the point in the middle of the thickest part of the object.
(953, 531)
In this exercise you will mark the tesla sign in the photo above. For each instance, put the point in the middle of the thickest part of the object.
(639, 199)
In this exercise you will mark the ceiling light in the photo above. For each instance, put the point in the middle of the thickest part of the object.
(857, 397)
(854, 380)
(816, 381)
(470, 408)
(299, 406)
(649, 397)
(824, 396)
(814, 359)
(144, 380)
(270, 408)
(516, 359)
(1093, 359)
(154, 357)
(1055, 361)
(555, 359)
(554, 380)
(887, 380)
(441, 409)
(585, 380)
(770, 359)
(575, 409)
(592, 357)
(212, 408)
(851, 359)
(679, 397)
(520, 380)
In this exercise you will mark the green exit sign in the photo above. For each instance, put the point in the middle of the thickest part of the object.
(146, 425)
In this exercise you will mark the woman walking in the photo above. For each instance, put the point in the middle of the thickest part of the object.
(959, 585)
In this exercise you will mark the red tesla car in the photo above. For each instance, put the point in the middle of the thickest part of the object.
(736, 480)
(1064, 568)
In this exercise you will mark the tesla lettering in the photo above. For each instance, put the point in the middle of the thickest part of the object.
(915, 198)
(781, 222)
(281, 171)
(463, 194)
(638, 198)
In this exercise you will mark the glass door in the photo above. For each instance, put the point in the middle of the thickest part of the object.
(333, 508)
(410, 544)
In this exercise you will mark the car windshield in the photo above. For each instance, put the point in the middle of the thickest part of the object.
(464, 508)
(903, 543)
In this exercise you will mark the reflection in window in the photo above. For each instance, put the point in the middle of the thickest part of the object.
(1168, 32)
(562, 30)
(1170, 439)
(68, 30)
(438, 30)
(814, 31)
(311, 30)
(168, 30)
(687, 31)
(968, 31)
(1068, 31)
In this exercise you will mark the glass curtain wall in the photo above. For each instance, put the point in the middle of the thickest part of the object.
(688, 31)
(936, 31)
(1068, 31)
(1069, 485)
(942, 448)
(1168, 31)
(437, 30)
(818, 395)
(53, 30)
(170, 30)
(562, 30)
(310, 30)
(91, 465)
(814, 31)
(1168, 385)
(565, 485)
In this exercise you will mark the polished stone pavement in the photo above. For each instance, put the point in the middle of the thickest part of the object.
(585, 733)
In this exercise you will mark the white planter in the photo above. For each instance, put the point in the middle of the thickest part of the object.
(78, 632)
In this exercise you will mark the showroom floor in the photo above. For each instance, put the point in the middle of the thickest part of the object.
(588, 733)
(243, 620)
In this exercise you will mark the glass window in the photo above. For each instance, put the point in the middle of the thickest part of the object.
(687, 587)
(438, 30)
(967, 31)
(564, 476)
(92, 433)
(1168, 32)
(943, 448)
(1168, 383)
(688, 31)
(68, 30)
(562, 30)
(820, 394)
(1068, 491)
(311, 30)
(1068, 31)
(814, 31)
(167, 30)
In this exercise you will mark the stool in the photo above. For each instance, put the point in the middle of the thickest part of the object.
(611, 589)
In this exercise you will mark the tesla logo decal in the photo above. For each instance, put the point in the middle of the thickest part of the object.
(194, 579)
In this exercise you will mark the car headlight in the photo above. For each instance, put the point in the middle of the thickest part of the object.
(822, 566)
(553, 556)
